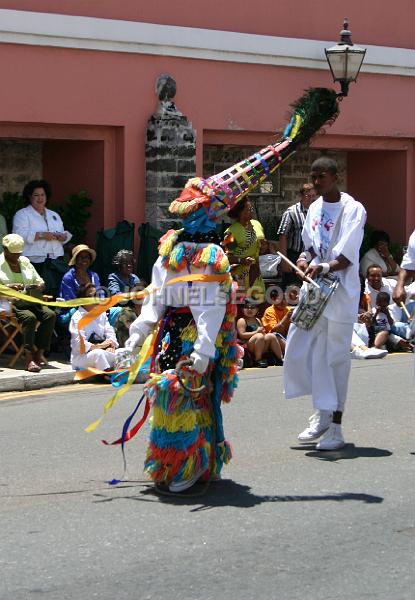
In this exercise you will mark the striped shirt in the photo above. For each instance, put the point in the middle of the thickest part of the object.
(292, 223)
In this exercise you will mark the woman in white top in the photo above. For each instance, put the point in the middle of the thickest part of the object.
(42, 229)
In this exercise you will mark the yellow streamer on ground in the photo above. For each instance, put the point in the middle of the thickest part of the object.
(143, 355)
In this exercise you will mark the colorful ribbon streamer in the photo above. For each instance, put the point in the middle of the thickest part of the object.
(129, 434)
(143, 355)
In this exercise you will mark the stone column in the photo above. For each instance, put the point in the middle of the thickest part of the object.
(170, 155)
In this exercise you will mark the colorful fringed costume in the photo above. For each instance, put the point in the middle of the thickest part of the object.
(196, 318)
(187, 436)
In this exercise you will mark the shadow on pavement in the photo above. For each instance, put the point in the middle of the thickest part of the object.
(349, 452)
(230, 493)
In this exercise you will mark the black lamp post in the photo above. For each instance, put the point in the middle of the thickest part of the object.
(345, 59)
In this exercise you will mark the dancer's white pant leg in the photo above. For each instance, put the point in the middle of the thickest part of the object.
(297, 360)
(317, 362)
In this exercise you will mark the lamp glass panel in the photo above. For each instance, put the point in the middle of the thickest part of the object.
(338, 63)
(354, 63)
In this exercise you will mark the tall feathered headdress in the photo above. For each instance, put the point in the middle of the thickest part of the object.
(219, 193)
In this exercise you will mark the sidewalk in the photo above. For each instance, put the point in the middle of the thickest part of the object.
(57, 372)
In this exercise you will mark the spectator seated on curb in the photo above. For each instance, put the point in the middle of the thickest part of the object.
(37, 321)
(120, 281)
(80, 272)
(360, 339)
(383, 322)
(99, 337)
(254, 338)
(277, 317)
(379, 254)
(375, 283)
(404, 317)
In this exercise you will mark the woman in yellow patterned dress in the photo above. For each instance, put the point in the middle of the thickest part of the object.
(244, 241)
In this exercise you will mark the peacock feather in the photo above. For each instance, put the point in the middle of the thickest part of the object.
(220, 192)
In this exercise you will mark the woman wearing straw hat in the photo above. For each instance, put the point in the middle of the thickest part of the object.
(80, 272)
(17, 272)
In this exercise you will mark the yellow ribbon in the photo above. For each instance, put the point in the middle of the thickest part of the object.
(143, 355)
(105, 303)
(147, 348)
(92, 314)
(98, 309)
(6, 291)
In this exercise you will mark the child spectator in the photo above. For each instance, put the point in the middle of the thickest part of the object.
(277, 318)
(383, 322)
(99, 337)
(253, 334)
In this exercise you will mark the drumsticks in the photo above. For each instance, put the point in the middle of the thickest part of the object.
(405, 310)
(299, 271)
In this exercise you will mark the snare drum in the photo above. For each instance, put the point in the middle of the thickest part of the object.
(313, 301)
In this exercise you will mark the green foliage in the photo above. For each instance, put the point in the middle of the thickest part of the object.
(366, 239)
(270, 227)
(73, 212)
(10, 203)
(75, 215)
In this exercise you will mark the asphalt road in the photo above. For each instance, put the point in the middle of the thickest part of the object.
(286, 522)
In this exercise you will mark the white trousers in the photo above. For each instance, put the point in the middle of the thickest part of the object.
(317, 363)
(97, 359)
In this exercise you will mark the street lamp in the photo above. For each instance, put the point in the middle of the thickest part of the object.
(345, 59)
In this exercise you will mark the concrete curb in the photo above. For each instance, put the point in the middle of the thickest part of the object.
(22, 381)
(34, 381)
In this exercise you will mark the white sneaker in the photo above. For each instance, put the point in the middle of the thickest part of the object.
(362, 353)
(333, 439)
(319, 423)
(184, 484)
(374, 353)
(357, 353)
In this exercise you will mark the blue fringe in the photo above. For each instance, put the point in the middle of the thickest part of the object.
(180, 440)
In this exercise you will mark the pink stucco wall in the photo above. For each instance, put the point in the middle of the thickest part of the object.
(108, 97)
(377, 179)
(373, 21)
